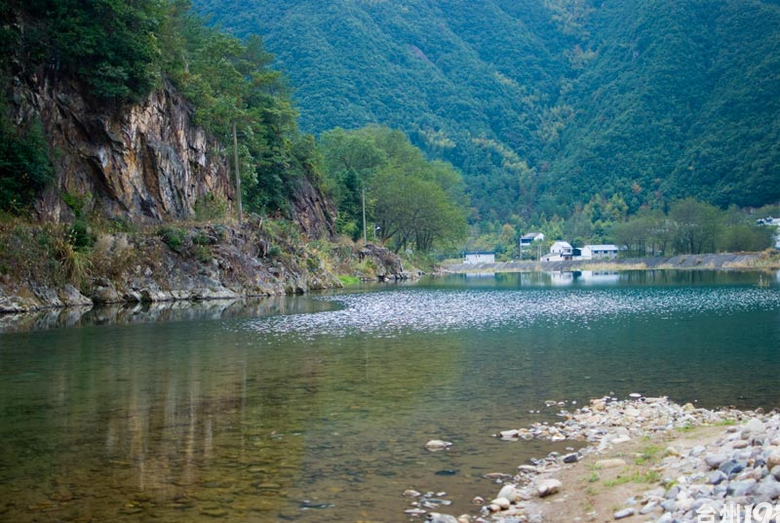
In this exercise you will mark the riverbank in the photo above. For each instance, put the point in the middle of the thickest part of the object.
(643, 459)
(56, 266)
(743, 261)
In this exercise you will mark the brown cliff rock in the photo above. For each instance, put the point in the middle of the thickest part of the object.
(145, 163)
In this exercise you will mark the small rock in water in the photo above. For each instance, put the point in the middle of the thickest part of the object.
(446, 472)
(437, 444)
(635, 395)
(435, 517)
(626, 512)
(411, 493)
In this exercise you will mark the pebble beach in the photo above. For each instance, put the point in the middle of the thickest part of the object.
(635, 459)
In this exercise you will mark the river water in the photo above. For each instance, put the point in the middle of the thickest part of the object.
(317, 409)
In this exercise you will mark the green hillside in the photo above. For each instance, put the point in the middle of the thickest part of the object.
(544, 103)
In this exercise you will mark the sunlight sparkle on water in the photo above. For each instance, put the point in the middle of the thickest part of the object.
(390, 313)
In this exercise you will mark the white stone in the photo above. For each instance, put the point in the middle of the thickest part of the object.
(501, 502)
(508, 492)
(547, 487)
(755, 426)
(437, 444)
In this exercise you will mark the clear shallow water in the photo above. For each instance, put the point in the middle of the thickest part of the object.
(317, 409)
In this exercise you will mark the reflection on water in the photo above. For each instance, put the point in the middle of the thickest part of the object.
(317, 410)
(158, 312)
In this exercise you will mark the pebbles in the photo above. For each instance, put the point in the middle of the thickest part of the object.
(741, 466)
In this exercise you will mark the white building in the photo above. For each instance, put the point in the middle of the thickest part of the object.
(529, 238)
(480, 257)
(559, 251)
(599, 252)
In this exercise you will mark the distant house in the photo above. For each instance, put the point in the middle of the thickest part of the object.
(599, 252)
(559, 251)
(529, 238)
(772, 222)
(480, 257)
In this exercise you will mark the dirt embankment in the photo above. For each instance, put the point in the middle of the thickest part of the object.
(688, 261)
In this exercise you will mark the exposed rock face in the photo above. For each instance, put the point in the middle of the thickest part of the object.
(146, 162)
(313, 212)
(387, 262)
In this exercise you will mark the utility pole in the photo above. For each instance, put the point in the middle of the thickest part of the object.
(365, 236)
(238, 176)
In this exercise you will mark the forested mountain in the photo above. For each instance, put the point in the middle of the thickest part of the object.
(544, 103)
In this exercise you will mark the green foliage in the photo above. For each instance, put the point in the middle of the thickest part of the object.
(173, 237)
(410, 201)
(112, 46)
(655, 101)
(210, 208)
(691, 227)
(118, 52)
(25, 168)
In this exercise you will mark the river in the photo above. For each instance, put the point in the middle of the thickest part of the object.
(317, 409)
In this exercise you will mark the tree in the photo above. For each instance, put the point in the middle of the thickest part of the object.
(695, 226)
(413, 201)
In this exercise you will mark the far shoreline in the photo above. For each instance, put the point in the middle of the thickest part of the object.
(716, 262)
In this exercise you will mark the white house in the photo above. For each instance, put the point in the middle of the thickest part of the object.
(559, 251)
(772, 222)
(529, 238)
(480, 257)
(599, 252)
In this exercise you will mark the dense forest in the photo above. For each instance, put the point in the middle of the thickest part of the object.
(546, 104)
(116, 53)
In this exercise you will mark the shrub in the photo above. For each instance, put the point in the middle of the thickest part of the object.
(172, 236)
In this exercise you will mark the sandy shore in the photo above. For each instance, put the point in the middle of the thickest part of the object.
(641, 459)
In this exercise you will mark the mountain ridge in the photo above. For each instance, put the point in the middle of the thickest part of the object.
(544, 103)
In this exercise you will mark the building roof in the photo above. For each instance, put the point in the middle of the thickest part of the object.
(473, 253)
(602, 247)
(530, 235)
(565, 245)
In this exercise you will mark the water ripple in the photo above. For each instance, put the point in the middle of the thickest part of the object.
(390, 313)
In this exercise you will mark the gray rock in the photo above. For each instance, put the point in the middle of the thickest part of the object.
(716, 460)
(435, 517)
(626, 512)
(571, 458)
(716, 477)
(767, 489)
(548, 487)
(755, 426)
(732, 467)
(741, 488)
(650, 507)
(776, 472)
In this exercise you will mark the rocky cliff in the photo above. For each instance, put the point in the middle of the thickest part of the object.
(145, 162)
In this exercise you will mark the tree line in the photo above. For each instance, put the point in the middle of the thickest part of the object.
(118, 52)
